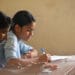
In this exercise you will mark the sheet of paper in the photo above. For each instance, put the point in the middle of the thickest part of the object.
(55, 57)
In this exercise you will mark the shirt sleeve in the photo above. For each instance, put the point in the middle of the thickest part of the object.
(25, 48)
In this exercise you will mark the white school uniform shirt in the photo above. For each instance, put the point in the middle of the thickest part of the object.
(14, 47)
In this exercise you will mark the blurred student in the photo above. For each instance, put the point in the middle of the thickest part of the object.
(21, 31)
(4, 28)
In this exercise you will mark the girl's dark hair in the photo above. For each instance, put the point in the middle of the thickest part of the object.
(5, 21)
(22, 18)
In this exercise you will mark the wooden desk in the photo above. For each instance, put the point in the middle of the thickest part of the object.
(65, 67)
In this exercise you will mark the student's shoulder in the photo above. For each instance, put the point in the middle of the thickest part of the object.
(11, 35)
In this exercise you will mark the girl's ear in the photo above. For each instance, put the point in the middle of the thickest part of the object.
(17, 28)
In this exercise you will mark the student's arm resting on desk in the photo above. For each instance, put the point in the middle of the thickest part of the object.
(15, 62)
(31, 54)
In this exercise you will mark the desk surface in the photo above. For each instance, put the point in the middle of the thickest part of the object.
(65, 67)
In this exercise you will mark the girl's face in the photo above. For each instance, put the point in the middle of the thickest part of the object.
(3, 34)
(26, 32)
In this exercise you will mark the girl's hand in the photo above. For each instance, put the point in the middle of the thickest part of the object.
(43, 58)
(51, 66)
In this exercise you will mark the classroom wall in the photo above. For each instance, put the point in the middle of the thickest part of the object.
(55, 20)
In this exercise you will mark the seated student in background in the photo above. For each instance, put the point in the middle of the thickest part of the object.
(4, 28)
(22, 30)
